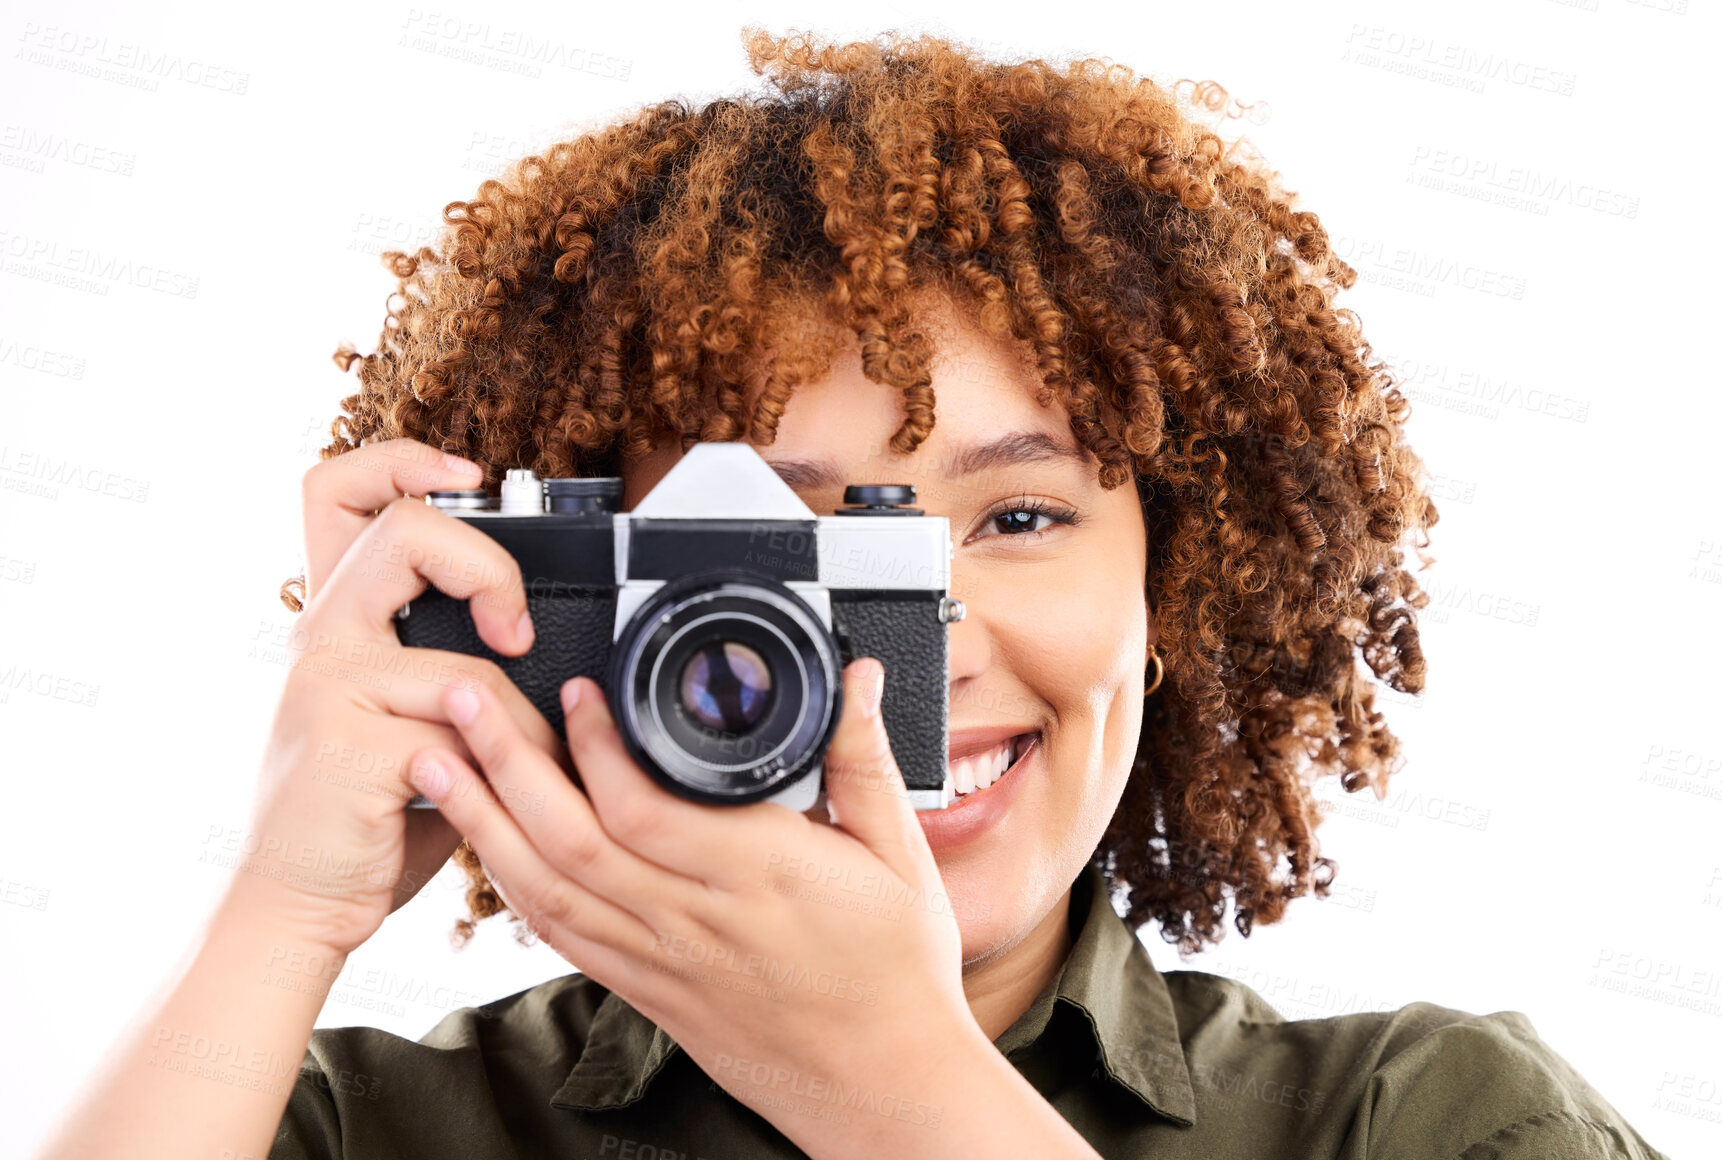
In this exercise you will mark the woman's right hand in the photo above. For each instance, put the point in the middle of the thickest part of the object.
(333, 849)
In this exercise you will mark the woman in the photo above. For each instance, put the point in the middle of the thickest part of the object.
(1020, 289)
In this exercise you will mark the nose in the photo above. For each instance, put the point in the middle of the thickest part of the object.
(970, 650)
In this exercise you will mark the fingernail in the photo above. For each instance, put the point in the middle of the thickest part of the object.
(461, 466)
(870, 700)
(462, 705)
(523, 629)
(570, 695)
(430, 778)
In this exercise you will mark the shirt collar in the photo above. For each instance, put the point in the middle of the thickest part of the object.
(1107, 978)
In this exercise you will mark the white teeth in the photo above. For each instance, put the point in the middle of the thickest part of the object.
(964, 776)
(978, 771)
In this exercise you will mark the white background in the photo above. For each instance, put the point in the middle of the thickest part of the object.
(1534, 259)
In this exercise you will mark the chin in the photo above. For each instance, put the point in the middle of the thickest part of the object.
(996, 906)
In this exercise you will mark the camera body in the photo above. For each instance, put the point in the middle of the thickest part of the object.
(718, 616)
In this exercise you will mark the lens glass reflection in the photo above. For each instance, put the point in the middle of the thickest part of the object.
(726, 685)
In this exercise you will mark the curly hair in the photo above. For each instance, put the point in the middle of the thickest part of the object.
(611, 292)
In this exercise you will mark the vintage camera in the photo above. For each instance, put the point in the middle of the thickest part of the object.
(718, 616)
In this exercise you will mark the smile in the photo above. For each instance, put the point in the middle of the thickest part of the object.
(985, 784)
(978, 771)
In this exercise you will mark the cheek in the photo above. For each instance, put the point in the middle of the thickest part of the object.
(1078, 633)
(1078, 636)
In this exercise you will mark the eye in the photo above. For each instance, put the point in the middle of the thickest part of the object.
(1026, 519)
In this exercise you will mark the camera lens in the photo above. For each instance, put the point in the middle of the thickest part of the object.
(726, 686)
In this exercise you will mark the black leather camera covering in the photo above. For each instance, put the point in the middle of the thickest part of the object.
(903, 630)
(571, 638)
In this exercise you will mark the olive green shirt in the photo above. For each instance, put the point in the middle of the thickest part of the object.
(1143, 1064)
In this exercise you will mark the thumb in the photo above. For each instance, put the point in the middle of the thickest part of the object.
(864, 790)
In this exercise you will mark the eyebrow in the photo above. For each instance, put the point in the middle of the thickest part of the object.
(1009, 450)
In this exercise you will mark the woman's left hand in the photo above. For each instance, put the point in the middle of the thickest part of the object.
(785, 956)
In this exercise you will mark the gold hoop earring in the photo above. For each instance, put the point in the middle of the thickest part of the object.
(1159, 671)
